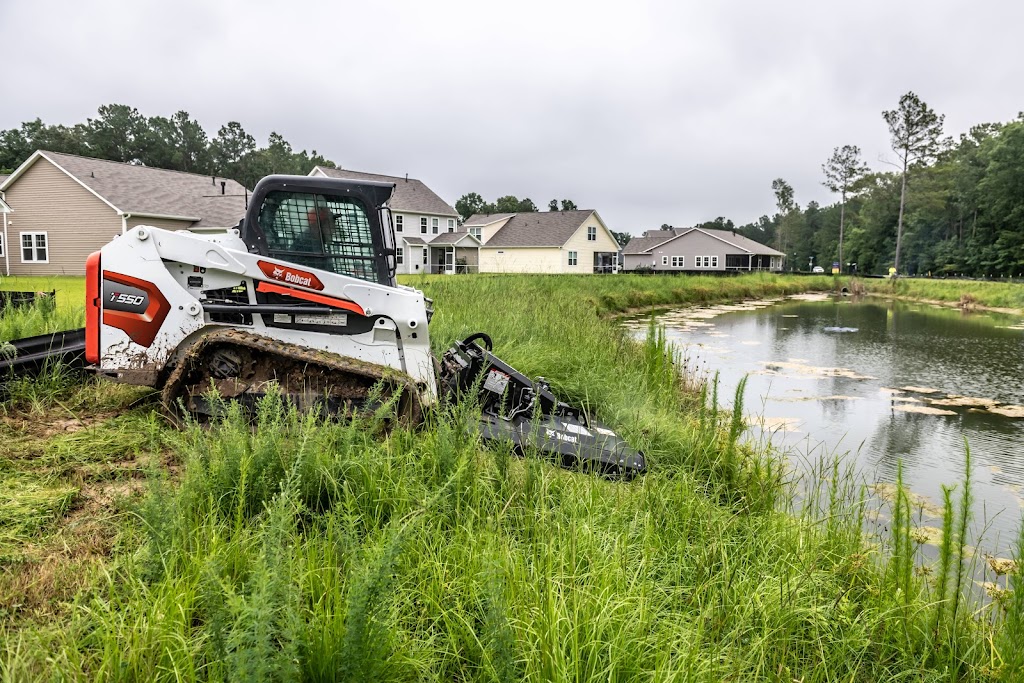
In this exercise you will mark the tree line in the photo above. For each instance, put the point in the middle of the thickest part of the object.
(947, 207)
(179, 142)
(472, 203)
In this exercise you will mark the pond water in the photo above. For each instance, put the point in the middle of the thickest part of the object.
(884, 381)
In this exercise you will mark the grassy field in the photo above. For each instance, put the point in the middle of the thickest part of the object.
(292, 549)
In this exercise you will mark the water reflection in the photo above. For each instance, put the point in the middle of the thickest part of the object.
(852, 390)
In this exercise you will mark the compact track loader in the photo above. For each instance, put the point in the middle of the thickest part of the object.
(302, 295)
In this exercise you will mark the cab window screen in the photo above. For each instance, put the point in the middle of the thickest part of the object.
(321, 231)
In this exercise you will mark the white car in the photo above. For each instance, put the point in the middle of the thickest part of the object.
(817, 269)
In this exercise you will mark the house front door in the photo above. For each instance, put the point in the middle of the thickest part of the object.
(449, 260)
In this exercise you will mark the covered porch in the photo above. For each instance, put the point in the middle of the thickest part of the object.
(454, 254)
(751, 262)
(606, 262)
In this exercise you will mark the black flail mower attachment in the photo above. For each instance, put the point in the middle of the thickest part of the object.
(524, 412)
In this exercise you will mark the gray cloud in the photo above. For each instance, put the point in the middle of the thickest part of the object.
(651, 112)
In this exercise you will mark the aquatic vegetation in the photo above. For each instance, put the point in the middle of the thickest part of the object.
(922, 409)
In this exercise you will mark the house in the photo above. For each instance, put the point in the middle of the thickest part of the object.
(426, 227)
(544, 242)
(698, 250)
(64, 207)
(415, 208)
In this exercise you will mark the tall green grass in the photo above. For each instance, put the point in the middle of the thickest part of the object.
(297, 549)
(289, 548)
(65, 312)
(43, 316)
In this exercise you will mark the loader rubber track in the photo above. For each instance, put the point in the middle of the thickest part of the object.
(242, 366)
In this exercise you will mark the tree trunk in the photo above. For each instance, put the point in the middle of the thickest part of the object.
(842, 217)
(899, 224)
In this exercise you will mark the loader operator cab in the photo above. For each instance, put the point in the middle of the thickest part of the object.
(341, 226)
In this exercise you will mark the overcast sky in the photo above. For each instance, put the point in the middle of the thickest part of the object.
(649, 112)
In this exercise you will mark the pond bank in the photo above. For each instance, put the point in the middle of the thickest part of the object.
(1000, 297)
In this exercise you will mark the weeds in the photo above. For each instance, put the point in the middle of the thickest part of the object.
(292, 547)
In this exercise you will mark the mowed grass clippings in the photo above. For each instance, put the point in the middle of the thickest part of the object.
(281, 547)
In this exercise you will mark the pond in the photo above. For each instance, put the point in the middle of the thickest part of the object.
(884, 381)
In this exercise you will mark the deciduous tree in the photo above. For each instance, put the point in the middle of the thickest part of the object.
(470, 204)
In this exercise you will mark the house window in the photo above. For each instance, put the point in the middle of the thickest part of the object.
(1, 244)
(451, 225)
(678, 261)
(423, 225)
(572, 258)
(476, 232)
(664, 260)
(400, 256)
(433, 225)
(399, 223)
(592, 234)
(425, 252)
(714, 261)
(34, 248)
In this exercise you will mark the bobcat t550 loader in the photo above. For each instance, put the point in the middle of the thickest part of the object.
(303, 295)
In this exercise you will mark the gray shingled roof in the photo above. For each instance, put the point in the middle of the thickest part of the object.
(746, 243)
(652, 238)
(539, 229)
(452, 238)
(410, 195)
(649, 240)
(143, 189)
(3, 178)
(482, 219)
(414, 240)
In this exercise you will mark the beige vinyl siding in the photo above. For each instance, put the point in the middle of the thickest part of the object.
(585, 249)
(164, 223)
(76, 222)
(522, 260)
